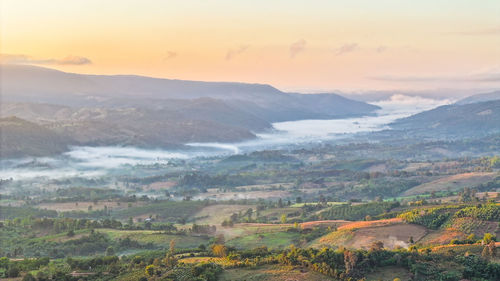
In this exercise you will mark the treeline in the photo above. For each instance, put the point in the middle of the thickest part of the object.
(341, 264)
(9, 212)
(357, 212)
(434, 218)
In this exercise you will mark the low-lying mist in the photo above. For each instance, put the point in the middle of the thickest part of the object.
(91, 162)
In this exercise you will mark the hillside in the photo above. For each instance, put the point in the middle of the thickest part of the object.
(21, 83)
(19, 137)
(453, 121)
(480, 98)
(198, 121)
(151, 112)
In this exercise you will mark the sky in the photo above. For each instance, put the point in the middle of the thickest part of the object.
(308, 46)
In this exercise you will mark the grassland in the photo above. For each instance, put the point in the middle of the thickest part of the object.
(170, 211)
(216, 214)
(244, 229)
(272, 240)
(453, 183)
(156, 237)
(393, 233)
(271, 273)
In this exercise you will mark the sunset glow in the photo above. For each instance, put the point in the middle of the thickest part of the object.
(293, 45)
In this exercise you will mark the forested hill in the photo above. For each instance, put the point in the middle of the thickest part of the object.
(20, 137)
(480, 98)
(454, 121)
(23, 83)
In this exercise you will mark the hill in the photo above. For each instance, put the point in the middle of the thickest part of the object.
(480, 98)
(19, 137)
(198, 121)
(453, 121)
(22, 83)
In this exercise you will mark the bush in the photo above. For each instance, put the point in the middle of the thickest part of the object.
(13, 271)
(29, 277)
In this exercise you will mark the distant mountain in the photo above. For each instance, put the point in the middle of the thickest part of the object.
(200, 120)
(147, 112)
(480, 98)
(19, 138)
(472, 120)
(22, 83)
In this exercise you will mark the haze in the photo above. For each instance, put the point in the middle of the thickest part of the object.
(293, 45)
(222, 140)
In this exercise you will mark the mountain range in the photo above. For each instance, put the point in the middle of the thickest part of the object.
(149, 112)
(473, 119)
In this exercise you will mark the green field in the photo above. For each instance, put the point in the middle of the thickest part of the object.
(170, 211)
(273, 240)
(271, 273)
(156, 237)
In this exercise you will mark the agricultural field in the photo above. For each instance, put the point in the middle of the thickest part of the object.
(271, 240)
(271, 273)
(158, 238)
(268, 221)
(216, 214)
(392, 233)
(452, 183)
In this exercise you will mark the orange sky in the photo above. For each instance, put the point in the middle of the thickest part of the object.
(293, 45)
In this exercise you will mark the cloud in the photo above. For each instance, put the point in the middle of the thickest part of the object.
(478, 32)
(297, 47)
(381, 49)
(492, 75)
(24, 59)
(346, 48)
(170, 55)
(231, 53)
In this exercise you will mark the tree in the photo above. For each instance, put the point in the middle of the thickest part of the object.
(150, 270)
(283, 218)
(488, 237)
(350, 261)
(377, 246)
(249, 213)
(170, 260)
(13, 272)
(219, 250)
(489, 251)
(219, 239)
(172, 247)
(29, 277)
(110, 251)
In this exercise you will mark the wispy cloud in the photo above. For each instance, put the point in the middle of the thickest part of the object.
(346, 48)
(478, 32)
(297, 47)
(24, 59)
(170, 55)
(231, 53)
(492, 75)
